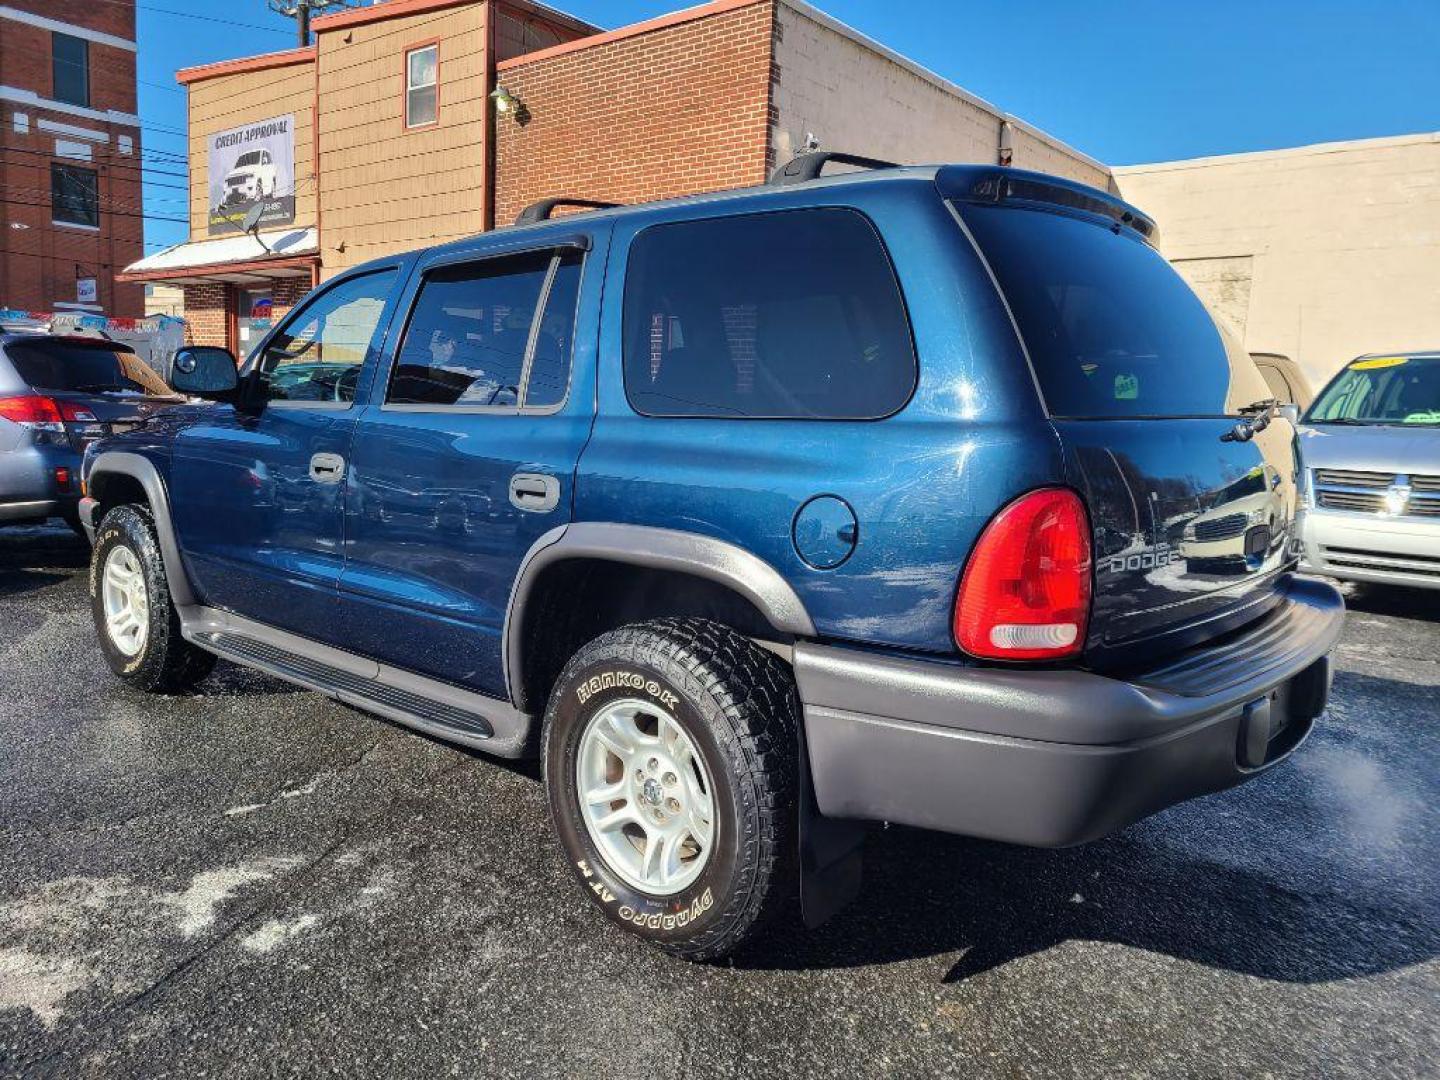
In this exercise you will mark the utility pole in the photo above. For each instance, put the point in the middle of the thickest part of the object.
(300, 11)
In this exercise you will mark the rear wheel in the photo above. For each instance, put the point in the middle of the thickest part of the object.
(135, 620)
(669, 753)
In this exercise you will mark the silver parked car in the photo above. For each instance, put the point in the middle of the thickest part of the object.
(58, 394)
(1370, 448)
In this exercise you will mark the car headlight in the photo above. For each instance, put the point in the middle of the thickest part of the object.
(1258, 517)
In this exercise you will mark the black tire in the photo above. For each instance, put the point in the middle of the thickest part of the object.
(738, 705)
(166, 662)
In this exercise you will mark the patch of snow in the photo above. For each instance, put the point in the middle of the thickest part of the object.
(39, 983)
(276, 932)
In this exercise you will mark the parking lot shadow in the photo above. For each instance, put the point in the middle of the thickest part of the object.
(33, 557)
(1404, 603)
(927, 894)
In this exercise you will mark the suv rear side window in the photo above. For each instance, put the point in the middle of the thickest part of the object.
(793, 315)
(1112, 330)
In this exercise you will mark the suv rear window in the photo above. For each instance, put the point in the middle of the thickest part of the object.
(62, 365)
(1112, 330)
(793, 315)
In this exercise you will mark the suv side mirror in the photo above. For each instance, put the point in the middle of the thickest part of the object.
(204, 371)
(1290, 411)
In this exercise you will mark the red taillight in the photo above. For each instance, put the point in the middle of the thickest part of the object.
(1025, 594)
(62, 478)
(30, 409)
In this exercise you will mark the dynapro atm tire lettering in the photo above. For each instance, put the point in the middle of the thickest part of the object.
(658, 920)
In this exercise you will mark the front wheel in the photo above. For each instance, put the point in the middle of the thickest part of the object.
(670, 762)
(138, 626)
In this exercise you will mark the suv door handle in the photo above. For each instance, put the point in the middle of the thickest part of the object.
(535, 492)
(327, 468)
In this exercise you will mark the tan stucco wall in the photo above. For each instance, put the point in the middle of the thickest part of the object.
(1320, 253)
(856, 97)
(228, 101)
(385, 189)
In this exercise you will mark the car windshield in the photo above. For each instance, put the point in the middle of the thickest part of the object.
(1382, 390)
(71, 365)
(252, 158)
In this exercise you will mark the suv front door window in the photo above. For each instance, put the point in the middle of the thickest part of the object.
(317, 355)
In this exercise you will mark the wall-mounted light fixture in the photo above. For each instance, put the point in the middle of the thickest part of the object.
(507, 104)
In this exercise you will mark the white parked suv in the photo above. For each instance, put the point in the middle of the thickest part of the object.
(1370, 448)
(251, 178)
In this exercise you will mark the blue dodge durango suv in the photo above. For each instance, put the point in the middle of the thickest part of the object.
(754, 515)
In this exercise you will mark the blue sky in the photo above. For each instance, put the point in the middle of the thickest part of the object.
(1123, 80)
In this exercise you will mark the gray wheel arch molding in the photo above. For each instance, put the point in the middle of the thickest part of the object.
(142, 469)
(662, 549)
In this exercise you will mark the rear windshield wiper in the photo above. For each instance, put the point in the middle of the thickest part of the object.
(1255, 418)
(1264, 405)
(101, 388)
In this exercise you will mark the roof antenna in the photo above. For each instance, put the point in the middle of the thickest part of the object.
(251, 225)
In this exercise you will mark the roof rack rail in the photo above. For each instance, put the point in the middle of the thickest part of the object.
(542, 210)
(803, 167)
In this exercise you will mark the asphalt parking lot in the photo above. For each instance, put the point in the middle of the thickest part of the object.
(253, 880)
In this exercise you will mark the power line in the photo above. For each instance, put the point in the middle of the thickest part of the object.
(111, 162)
(192, 15)
(107, 210)
(112, 200)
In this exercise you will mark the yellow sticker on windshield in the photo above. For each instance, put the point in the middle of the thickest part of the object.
(1379, 362)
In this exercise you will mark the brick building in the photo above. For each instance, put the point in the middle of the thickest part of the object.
(414, 122)
(70, 155)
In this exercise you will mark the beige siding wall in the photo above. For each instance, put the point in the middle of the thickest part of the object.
(229, 101)
(856, 98)
(386, 189)
(1320, 253)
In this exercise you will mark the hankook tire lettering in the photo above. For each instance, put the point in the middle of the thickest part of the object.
(630, 680)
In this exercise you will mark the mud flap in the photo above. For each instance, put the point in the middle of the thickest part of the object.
(830, 853)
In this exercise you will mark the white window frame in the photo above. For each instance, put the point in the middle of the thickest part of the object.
(432, 47)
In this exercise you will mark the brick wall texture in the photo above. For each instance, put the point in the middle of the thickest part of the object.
(206, 317)
(681, 109)
(40, 261)
(208, 308)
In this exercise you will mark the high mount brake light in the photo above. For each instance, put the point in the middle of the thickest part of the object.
(1025, 593)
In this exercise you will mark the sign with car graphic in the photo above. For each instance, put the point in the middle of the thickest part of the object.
(249, 165)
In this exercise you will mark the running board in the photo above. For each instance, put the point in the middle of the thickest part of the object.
(435, 708)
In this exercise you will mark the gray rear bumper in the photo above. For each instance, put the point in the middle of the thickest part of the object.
(1058, 757)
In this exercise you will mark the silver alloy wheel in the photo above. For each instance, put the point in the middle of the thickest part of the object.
(127, 604)
(645, 796)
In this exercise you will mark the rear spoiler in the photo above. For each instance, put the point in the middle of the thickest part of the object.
(1005, 185)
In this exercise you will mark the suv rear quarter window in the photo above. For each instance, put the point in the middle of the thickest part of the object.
(792, 315)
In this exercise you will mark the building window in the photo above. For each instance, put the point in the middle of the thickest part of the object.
(422, 91)
(70, 64)
(74, 196)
